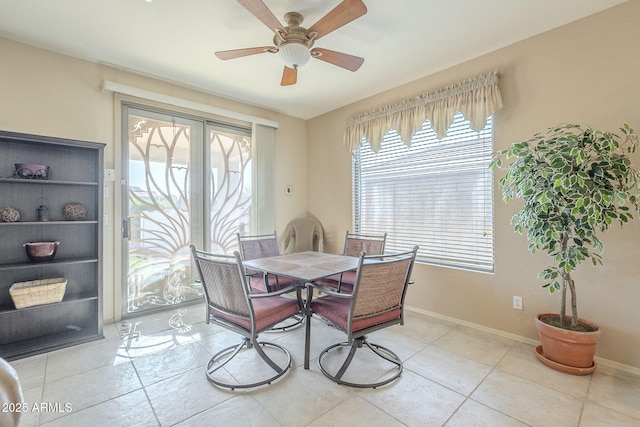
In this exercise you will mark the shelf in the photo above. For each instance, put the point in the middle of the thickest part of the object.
(45, 182)
(63, 261)
(78, 171)
(63, 222)
(31, 347)
(6, 308)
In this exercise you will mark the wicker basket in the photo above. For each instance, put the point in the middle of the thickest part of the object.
(37, 292)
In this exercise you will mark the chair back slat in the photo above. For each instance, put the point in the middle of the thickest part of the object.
(224, 287)
(260, 246)
(380, 287)
(356, 243)
(252, 247)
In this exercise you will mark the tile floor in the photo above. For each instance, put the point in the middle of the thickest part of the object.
(149, 371)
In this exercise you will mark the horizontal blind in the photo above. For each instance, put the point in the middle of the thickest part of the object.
(437, 194)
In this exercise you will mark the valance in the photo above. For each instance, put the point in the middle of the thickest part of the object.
(476, 98)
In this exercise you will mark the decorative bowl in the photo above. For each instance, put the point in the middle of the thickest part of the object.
(31, 170)
(41, 251)
(75, 211)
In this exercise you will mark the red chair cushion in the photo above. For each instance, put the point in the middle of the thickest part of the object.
(268, 312)
(336, 310)
(345, 284)
(349, 278)
(257, 282)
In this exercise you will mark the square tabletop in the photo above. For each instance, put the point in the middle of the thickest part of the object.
(307, 266)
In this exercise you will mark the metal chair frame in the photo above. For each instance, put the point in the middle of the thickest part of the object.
(357, 339)
(269, 242)
(230, 310)
(355, 243)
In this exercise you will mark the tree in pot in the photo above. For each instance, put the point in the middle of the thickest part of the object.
(575, 182)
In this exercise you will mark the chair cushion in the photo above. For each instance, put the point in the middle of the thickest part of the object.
(345, 284)
(349, 278)
(328, 281)
(268, 312)
(336, 310)
(257, 282)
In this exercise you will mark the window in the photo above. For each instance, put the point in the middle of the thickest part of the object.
(437, 194)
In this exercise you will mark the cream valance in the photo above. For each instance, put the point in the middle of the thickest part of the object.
(476, 98)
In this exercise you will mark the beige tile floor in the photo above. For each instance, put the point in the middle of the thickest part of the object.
(149, 371)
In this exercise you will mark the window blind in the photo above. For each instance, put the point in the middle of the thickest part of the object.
(435, 193)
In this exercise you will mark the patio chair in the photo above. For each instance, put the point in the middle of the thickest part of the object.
(377, 302)
(232, 305)
(262, 246)
(354, 244)
(303, 234)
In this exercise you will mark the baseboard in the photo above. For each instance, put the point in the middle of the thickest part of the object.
(519, 338)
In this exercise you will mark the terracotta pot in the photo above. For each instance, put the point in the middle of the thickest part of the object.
(569, 348)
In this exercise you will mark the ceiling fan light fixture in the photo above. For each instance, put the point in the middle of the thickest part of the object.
(294, 55)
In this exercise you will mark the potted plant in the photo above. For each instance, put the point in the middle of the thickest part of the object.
(575, 182)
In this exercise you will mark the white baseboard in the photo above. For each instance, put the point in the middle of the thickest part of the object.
(519, 338)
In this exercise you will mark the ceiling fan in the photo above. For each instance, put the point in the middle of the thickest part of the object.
(294, 44)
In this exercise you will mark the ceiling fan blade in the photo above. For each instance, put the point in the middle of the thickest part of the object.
(289, 76)
(342, 14)
(238, 53)
(262, 12)
(344, 60)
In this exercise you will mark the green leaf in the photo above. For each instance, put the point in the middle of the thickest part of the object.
(574, 182)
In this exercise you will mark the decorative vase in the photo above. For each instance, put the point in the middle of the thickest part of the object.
(572, 351)
(42, 211)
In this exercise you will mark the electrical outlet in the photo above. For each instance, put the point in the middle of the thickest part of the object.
(517, 303)
(288, 190)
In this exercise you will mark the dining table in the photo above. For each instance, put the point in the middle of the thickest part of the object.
(306, 267)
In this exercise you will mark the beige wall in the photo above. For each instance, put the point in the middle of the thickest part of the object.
(586, 72)
(49, 94)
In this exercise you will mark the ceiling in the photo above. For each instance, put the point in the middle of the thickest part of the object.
(175, 40)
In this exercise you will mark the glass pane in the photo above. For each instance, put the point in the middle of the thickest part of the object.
(159, 214)
(230, 183)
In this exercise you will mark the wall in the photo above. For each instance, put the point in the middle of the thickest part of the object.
(49, 94)
(585, 72)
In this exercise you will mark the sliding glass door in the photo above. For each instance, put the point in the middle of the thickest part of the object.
(187, 181)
